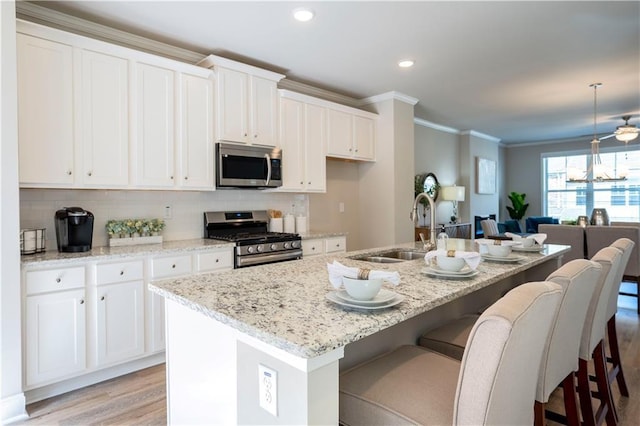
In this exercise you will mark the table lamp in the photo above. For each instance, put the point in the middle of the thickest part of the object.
(453, 194)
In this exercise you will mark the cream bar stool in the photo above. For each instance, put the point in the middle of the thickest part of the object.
(494, 383)
(592, 344)
(578, 279)
(489, 227)
(625, 245)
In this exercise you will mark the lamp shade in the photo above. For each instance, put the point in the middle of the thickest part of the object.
(452, 193)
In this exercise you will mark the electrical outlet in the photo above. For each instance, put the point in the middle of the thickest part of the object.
(268, 388)
(168, 214)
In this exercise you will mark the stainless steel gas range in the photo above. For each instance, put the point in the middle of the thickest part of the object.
(254, 244)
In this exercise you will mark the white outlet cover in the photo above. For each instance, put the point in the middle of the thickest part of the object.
(268, 389)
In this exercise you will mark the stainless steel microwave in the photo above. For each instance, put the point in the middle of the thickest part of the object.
(247, 166)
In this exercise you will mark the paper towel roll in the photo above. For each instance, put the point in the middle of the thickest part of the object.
(301, 224)
(275, 225)
(289, 224)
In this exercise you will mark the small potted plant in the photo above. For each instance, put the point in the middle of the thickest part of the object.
(518, 207)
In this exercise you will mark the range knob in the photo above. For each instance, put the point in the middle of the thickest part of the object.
(259, 248)
(272, 246)
(287, 245)
(250, 249)
(295, 244)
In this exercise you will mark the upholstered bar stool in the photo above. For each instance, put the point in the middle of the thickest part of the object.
(578, 280)
(625, 245)
(592, 344)
(489, 227)
(494, 383)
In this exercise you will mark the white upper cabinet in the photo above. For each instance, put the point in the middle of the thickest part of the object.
(45, 112)
(104, 120)
(155, 126)
(247, 102)
(302, 139)
(197, 143)
(351, 134)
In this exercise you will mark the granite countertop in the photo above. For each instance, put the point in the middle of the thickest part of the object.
(285, 305)
(55, 258)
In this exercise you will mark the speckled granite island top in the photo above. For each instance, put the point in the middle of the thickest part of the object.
(284, 304)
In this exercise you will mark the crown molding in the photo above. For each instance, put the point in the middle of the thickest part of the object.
(424, 123)
(388, 96)
(480, 135)
(296, 86)
(51, 18)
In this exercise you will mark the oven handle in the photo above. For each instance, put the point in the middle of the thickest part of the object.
(268, 168)
(268, 258)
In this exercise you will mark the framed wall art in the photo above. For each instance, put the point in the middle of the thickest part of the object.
(485, 176)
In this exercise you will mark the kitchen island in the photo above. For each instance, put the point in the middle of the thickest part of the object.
(222, 327)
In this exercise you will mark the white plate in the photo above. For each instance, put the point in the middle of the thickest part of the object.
(533, 249)
(439, 273)
(462, 272)
(383, 296)
(333, 297)
(509, 259)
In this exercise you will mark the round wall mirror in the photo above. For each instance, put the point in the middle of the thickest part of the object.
(427, 183)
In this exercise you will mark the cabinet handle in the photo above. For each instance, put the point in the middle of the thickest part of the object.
(186, 178)
(217, 260)
(309, 183)
(102, 298)
(255, 136)
(356, 149)
(82, 301)
(69, 172)
(338, 245)
(173, 266)
(171, 177)
(245, 135)
(350, 149)
(58, 280)
(121, 273)
(89, 173)
(301, 183)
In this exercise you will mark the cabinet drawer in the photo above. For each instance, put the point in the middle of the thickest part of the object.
(170, 266)
(54, 280)
(110, 273)
(337, 244)
(214, 261)
(312, 247)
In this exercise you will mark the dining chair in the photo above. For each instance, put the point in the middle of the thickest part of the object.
(625, 245)
(578, 280)
(489, 227)
(493, 384)
(592, 344)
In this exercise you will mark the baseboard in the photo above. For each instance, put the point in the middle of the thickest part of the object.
(13, 409)
(94, 377)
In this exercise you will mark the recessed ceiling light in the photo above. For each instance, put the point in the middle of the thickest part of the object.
(303, 14)
(405, 63)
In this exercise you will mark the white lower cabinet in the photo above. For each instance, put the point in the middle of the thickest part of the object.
(119, 312)
(317, 246)
(95, 316)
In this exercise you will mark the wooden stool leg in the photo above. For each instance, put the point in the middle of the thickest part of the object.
(615, 356)
(539, 418)
(602, 380)
(570, 402)
(585, 394)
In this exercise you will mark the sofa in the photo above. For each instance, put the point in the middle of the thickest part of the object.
(533, 222)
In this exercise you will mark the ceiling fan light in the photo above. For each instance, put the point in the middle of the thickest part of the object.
(626, 133)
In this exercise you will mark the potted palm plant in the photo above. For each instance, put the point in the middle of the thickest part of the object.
(518, 207)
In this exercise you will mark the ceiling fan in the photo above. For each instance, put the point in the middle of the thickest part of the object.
(625, 133)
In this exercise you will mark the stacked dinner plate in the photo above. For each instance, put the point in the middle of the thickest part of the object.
(511, 258)
(384, 299)
(435, 271)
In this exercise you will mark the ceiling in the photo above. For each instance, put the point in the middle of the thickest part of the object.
(518, 71)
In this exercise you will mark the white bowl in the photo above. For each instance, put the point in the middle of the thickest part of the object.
(528, 242)
(453, 264)
(362, 289)
(499, 251)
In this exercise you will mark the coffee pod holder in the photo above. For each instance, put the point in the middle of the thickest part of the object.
(32, 241)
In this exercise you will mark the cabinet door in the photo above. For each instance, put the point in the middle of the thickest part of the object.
(364, 138)
(314, 152)
(45, 112)
(336, 244)
(312, 247)
(155, 121)
(120, 322)
(104, 120)
(292, 141)
(55, 342)
(197, 133)
(233, 108)
(264, 112)
(339, 133)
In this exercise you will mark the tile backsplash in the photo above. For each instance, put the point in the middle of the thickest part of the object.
(38, 206)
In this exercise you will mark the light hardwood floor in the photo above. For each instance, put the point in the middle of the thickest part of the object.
(139, 398)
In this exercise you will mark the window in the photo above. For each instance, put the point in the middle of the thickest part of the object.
(568, 200)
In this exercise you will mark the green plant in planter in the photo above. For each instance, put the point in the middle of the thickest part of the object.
(518, 207)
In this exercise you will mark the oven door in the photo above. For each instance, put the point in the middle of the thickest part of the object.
(240, 166)
(260, 259)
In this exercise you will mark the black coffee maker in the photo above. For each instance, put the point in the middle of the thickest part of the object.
(74, 229)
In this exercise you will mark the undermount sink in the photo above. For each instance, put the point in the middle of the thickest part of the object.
(390, 256)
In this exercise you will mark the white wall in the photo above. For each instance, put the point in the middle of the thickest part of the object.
(38, 206)
(12, 402)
